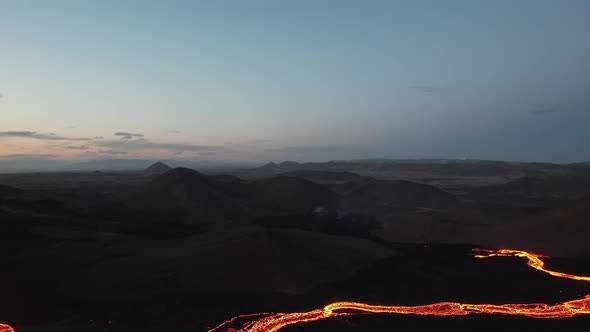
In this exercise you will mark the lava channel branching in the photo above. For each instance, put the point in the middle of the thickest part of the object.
(274, 322)
(270, 322)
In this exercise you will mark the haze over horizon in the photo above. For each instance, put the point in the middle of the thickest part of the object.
(265, 81)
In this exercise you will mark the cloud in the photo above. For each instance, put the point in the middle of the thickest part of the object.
(35, 135)
(98, 137)
(28, 156)
(112, 152)
(76, 147)
(148, 145)
(127, 135)
(207, 153)
(543, 111)
(173, 131)
(426, 88)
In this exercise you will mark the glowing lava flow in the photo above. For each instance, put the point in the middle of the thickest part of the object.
(6, 328)
(274, 322)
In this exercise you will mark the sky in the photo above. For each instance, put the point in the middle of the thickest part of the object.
(306, 80)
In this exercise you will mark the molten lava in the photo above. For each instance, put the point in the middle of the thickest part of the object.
(6, 328)
(270, 322)
(274, 322)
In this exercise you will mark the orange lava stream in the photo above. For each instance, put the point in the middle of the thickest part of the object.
(274, 322)
(6, 328)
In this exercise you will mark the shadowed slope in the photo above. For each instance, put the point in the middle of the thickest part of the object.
(327, 177)
(186, 196)
(243, 259)
(285, 195)
(559, 232)
(380, 197)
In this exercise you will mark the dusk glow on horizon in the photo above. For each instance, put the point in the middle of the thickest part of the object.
(262, 80)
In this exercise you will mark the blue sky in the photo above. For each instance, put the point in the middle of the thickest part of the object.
(304, 80)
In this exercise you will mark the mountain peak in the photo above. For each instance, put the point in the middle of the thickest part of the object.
(158, 167)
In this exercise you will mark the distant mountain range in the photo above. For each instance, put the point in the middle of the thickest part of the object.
(384, 161)
(48, 163)
(23, 164)
(142, 164)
